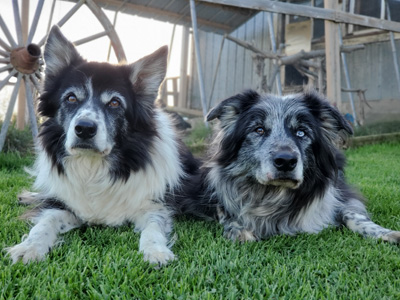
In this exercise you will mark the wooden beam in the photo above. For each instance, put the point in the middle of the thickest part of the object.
(21, 111)
(332, 50)
(183, 83)
(292, 59)
(185, 111)
(311, 12)
(249, 46)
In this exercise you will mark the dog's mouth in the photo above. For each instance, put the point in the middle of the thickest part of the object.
(87, 148)
(285, 182)
(281, 180)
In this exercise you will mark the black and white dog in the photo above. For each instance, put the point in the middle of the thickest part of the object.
(106, 155)
(275, 168)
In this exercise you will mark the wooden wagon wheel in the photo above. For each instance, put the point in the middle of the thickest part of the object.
(23, 60)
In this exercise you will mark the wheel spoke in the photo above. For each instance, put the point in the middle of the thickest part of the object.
(4, 60)
(38, 75)
(64, 19)
(35, 21)
(17, 19)
(10, 109)
(31, 107)
(5, 81)
(5, 54)
(6, 68)
(5, 45)
(101, 16)
(35, 82)
(7, 33)
(51, 16)
(90, 38)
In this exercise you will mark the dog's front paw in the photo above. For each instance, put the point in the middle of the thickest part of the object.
(27, 252)
(158, 255)
(236, 233)
(392, 237)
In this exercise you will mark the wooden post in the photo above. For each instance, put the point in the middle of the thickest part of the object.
(332, 49)
(394, 49)
(198, 58)
(274, 50)
(22, 95)
(183, 83)
(347, 78)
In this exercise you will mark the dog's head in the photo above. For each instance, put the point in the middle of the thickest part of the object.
(93, 103)
(279, 141)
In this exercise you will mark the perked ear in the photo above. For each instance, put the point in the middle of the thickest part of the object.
(230, 108)
(148, 72)
(332, 122)
(59, 52)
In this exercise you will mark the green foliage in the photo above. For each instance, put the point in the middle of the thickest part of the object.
(18, 141)
(197, 139)
(378, 128)
(14, 161)
(104, 263)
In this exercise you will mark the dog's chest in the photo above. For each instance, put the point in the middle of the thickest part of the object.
(276, 215)
(96, 198)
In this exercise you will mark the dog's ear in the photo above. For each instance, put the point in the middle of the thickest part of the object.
(230, 108)
(333, 124)
(59, 52)
(148, 73)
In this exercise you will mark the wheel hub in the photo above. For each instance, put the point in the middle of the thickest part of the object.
(26, 59)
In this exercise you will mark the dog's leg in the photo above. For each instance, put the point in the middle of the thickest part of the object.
(233, 230)
(43, 235)
(155, 228)
(355, 217)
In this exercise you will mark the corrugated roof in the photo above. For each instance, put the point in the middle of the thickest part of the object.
(210, 17)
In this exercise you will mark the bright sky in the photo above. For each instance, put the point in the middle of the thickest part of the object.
(139, 36)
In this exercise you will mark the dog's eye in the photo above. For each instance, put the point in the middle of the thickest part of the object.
(114, 103)
(260, 130)
(300, 133)
(71, 98)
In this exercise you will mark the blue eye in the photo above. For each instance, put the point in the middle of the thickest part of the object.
(300, 133)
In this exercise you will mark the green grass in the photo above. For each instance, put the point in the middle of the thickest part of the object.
(18, 141)
(104, 263)
(197, 139)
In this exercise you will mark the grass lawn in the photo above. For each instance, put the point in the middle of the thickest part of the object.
(104, 263)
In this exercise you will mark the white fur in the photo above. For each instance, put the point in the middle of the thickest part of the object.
(91, 194)
(320, 213)
(106, 97)
(43, 235)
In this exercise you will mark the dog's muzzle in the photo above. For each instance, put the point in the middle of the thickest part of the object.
(285, 169)
(88, 135)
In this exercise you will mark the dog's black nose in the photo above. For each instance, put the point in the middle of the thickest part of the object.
(85, 129)
(285, 161)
